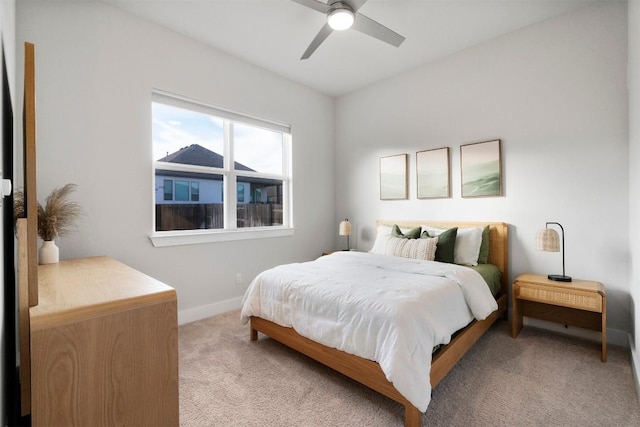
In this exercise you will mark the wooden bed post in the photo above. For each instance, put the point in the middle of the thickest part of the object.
(411, 416)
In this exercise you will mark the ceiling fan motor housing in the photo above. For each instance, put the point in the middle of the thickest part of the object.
(341, 16)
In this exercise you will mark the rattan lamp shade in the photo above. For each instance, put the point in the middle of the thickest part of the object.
(345, 230)
(548, 240)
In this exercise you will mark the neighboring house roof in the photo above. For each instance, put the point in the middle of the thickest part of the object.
(217, 177)
(196, 154)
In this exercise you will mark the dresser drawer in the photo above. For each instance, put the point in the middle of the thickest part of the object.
(571, 298)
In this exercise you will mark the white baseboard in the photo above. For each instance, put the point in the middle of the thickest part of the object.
(635, 364)
(204, 311)
(614, 336)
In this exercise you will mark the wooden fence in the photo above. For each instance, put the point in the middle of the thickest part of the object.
(211, 216)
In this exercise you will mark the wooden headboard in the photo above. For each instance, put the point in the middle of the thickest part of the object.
(498, 241)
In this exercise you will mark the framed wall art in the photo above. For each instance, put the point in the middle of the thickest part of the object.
(393, 177)
(481, 169)
(432, 170)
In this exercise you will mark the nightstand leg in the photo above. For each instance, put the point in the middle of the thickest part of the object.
(516, 322)
(604, 329)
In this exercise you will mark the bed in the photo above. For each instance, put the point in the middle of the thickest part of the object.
(372, 374)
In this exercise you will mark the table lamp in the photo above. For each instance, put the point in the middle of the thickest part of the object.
(548, 240)
(345, 230)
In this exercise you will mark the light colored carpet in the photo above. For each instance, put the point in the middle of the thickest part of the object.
(538, 379)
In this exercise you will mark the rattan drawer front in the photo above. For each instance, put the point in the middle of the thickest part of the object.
(582, 300)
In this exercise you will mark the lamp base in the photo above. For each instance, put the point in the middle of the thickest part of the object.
(559, 278)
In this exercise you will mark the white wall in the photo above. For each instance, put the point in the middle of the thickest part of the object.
(7, 32)
(555, 94)
(634, 178)
(95, 69)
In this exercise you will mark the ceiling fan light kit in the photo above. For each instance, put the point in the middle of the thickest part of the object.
(342, 15)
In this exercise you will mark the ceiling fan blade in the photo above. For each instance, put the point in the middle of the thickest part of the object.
(320, 37)
(374, 29)
(315, 5)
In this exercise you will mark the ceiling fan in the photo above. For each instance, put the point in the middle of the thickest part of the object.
(342, 15)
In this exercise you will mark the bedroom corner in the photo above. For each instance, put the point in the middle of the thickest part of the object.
(634, 182)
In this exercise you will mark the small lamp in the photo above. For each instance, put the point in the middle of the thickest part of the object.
(345, 230)
(548, 240)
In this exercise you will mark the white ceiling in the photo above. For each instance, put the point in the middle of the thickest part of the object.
(273, 34)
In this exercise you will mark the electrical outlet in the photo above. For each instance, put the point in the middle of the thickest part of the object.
(238, 279)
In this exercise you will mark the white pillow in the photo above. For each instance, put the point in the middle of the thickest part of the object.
(468, 241)
(383, 232)
(423, 249)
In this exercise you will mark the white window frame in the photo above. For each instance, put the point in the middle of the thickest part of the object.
(231, 231)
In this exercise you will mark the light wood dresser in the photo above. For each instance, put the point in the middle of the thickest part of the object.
(104, 346)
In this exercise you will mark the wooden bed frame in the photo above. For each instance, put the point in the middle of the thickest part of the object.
(368, 372)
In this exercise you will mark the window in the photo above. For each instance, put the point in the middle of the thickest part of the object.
(168, 189)
(182, 191)
(195, 191)
(240, 193)
(202, 154)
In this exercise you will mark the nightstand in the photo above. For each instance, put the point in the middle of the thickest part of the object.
(340, 250)
(580, 303)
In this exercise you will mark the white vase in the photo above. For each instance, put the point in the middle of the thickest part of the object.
(48, 253)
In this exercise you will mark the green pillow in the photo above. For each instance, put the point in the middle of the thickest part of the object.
(411, 234)
(446, 244)
(483, 256)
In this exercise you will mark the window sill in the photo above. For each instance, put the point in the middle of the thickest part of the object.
(163, 239)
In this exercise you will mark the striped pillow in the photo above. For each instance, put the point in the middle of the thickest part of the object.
(424, 249)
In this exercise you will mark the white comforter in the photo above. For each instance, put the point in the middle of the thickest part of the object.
(383, 308)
